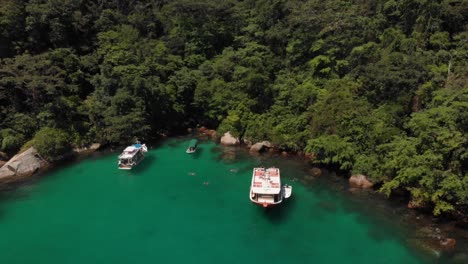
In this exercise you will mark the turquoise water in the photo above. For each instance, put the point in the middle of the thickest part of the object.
(181, 208)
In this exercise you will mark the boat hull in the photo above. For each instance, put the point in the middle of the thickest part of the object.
(265, 205)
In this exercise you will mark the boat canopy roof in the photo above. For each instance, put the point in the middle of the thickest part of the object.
(193, 143)
(266, 181)
(130, 151)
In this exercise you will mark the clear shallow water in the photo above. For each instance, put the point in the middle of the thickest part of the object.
(180, 208)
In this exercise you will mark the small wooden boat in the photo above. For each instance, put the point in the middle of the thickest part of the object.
(193, 144)
(131, 156)
(287, 191)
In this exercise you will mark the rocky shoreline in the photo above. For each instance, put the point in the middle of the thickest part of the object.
(437, 238)
(28, 163)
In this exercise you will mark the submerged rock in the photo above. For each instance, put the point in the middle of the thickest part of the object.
(433, 241)
(315, 171)
(24, 164)
(360, 181)
(447, 244)
(460, 258)
(229, 140)
(309, 178)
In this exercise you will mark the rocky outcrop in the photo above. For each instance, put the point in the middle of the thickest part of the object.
(92, 148)
(434, 241)
(360, 181)
(257, 147)
(260, 146)
(208, 132)
(228, 140)
(24, 164)
(413, 204)
(447, 244)
(310, 156)
(434, 247)
(2, 163)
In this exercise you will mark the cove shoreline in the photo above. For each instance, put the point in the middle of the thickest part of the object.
(438, 237)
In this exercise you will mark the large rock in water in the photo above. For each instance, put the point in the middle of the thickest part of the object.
(24, 164)
(228, 140)
(360, 181)
(260, 146)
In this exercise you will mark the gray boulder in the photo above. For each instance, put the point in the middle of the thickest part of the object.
(24, 164)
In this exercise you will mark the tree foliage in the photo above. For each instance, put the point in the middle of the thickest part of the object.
(373, 87)
(52, 143)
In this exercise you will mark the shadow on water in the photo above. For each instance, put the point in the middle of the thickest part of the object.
(197, 153)
(278, 214)
(145, 164)
(16, 191)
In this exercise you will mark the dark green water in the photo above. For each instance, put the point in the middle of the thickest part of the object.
(180, 208)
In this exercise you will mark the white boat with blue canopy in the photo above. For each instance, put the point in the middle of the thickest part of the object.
(193, 144)
(131, 156)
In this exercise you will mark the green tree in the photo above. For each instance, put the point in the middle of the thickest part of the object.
(52, 143)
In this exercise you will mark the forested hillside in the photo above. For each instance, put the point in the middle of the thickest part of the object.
(375, 87)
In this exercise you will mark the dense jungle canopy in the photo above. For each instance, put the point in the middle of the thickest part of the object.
(378, 87)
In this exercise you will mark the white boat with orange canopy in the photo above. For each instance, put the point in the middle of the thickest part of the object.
(266, 189)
